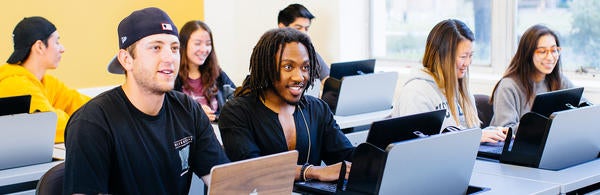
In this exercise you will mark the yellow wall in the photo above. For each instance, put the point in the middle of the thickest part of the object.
(88, 30)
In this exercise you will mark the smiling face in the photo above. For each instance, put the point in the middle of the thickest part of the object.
(198, 48)
(294, 73)
(464, 57)
(545, 56)
(53, 51)
(156, 63)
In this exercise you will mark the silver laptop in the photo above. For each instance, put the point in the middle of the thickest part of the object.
(573, 138)
(27, 139)
(438, 164)
(272, 174)
(360, 94)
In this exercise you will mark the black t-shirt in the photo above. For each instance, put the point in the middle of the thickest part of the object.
(112, 147)
(249, 129)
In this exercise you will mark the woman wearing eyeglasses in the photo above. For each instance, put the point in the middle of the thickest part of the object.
(534, 69)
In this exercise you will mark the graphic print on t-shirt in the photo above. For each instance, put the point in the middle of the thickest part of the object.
(183, 147)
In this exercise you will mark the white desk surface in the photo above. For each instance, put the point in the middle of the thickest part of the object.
(499, 184)
(25, 174)
(569, 179)
(361, 119)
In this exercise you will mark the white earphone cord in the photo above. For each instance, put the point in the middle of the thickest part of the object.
(307, 132)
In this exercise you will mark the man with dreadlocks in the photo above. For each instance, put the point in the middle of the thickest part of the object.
(271, 114)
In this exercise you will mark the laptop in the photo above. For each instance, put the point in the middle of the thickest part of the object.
(342, 69)
(15, 104)
(27, 139)
(411, 165)
(438, 164)
(385, 132)
(553, 101)
(271, 174)
(360, 93)
(492, 151)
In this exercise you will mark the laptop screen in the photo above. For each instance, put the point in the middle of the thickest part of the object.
(15, 104)
(559, 100)
(342, 69)
(384, 132)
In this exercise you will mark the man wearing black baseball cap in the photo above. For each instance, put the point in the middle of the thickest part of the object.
(141, 137)
(36, 49)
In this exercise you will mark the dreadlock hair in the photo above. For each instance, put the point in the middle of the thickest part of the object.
(264, 68)
(521, 67)
(439, 61)
(209, 71)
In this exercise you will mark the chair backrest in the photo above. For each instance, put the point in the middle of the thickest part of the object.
(52, 181)
(485, 110)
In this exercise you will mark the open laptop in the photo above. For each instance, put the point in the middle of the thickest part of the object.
(27, 139)
(438, 164)
(549, 102)
(407, 167)
(342, 69)
(15, 104)
(271, 174)
(385, 132)
(360, 93)
(568, 138)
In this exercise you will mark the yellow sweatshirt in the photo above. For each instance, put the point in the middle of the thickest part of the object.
(49, 94)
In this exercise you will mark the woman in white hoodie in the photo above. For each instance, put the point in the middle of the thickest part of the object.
(442, 83)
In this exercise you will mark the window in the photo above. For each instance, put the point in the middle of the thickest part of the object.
(400, 27)
(576, 22)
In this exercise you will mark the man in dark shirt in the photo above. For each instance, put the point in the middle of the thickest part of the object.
(296, 16)
(271, 114)
(141, 137)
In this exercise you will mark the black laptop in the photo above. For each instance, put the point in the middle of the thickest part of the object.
(15, 105)
(385, 132)
(547, 103)
(342, 69)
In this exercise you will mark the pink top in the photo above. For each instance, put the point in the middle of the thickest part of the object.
(197, 93)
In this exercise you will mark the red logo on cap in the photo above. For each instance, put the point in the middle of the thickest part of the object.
(167, 26)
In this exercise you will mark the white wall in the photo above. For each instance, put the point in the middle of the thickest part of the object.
(339, 31)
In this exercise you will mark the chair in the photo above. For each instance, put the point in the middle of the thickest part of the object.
(51, 182)
(485, 110)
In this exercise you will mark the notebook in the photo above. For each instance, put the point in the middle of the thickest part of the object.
(384, 132)
(271, 174)
(342, 69)
(27, 139)
(360, 93)
(438, 164)
(553, 101)
(15, 104)
(408, 167)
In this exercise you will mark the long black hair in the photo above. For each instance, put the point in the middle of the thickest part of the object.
(264, 68)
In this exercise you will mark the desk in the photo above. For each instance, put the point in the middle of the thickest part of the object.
(24, 174)
(361, 119)
(569, 179)
(511, 185)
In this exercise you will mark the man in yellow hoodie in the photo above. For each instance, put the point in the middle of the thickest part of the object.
(36, 49)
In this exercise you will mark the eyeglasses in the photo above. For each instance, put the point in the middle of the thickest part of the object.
(543, 52)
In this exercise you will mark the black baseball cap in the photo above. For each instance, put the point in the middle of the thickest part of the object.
(26, 33)
(140, 24)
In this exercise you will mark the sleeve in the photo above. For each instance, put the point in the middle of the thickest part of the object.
(40, 101)
(64, 98)
(415, 97)
(238, 140)
(226, 80)
(506, 105)
(88, 158)
(207, 150)
(336, 146)
(324, 68)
